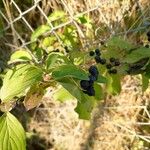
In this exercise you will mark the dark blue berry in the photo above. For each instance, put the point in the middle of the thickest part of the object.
(93, 70)
(117, 62)
(113, 71)
(112, 59)
(90, 91)
(97, 59)
(103, 61)
(147, 46)
(84, 84)
(148, 34)
(92, 78)
(91, 53)
(97, 52)
(108, 66)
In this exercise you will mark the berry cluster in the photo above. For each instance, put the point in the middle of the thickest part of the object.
(148, 35)
(113, 62)
(87, 85)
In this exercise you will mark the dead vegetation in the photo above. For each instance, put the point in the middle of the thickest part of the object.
(121, 122)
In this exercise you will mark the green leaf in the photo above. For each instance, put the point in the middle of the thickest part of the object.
(98, 92)
(101, 79)
(20, 55)
(18, 80)
(85, 103)
(114, 84)
(49, 41)
(137, 55)
(39, 31)
(119, 43)
(12, 134)
(56, 15)
(85, 107)
(145, 82)
(69, 71)
(39, 53)
(62, 95)
(117, 47)
(52, 60)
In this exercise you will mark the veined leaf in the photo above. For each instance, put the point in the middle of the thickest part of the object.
(69, 71)
(12, 134)
(117, 47)
(85, 107)
(20, 55)
(101, 79)
(85, 103)
(33, 97)
(53, 59)
(40, 31)
(137, 55)
(57, 15)
(62, 95)
(18, 80)
(114, 84)
(145, 82)
(118, 42)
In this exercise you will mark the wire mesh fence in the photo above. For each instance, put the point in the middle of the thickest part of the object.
(20, 19)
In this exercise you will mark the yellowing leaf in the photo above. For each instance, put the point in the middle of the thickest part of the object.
(20, 55)
(33, 97)
(12, 134)
(40, 31)
(18, 80)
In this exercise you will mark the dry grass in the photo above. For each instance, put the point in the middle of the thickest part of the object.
(122, 122)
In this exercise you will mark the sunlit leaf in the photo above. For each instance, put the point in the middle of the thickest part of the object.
(53, 59)
(137, 55)
(69, 71)
(114, 84)
(19, 79)
(40, 31)
(62, 95)
(85, 103)
(145, 82)
(12, 134)
(20, 55)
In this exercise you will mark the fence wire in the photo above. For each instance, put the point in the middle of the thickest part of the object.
(16, 16)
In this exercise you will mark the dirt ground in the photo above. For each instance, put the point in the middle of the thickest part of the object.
(116, 123)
